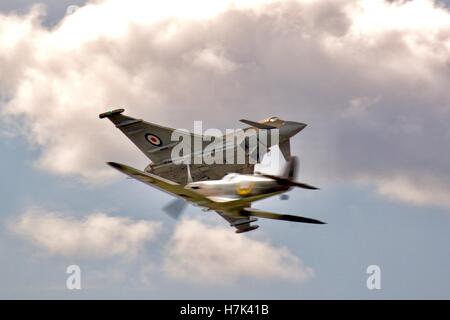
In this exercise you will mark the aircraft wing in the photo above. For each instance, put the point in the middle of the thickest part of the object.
(156, 143)
(153, 140)
(162, 184)
(277, 216)
(241, 217)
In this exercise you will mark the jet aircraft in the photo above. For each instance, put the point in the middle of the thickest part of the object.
(155, 141)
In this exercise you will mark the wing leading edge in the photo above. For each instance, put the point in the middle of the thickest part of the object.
(160, 183)
(153, 140)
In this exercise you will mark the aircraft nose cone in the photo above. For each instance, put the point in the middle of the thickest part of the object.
(291, 128)
(298, 126)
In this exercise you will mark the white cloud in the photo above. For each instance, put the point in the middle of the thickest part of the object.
(207, 254)
(196, 252)
(369, 76)
(415, 190)
(95, 236)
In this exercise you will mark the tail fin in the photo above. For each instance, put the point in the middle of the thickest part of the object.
(290, 170)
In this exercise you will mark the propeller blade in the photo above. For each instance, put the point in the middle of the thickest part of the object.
(288, 182)
(304, 186)
(175, 208)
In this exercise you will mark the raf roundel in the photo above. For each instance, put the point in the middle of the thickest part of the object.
(153, 139)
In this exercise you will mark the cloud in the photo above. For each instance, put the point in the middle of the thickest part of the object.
(95, 236)
(203, 253)
(370, 77)
(196, 252)
(416, 190)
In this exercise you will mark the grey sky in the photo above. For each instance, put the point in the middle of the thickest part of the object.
(56, 9)
(398, 137)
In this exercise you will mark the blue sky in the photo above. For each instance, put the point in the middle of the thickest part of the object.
(374, 144)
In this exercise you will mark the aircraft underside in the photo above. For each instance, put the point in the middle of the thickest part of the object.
(199, 172)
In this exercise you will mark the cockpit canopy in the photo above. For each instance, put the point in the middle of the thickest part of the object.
(271, 119)
(230, 176)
